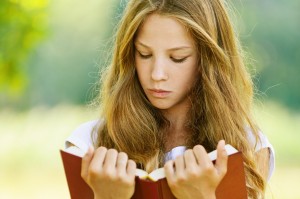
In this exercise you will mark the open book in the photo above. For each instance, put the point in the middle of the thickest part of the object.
(154, 185)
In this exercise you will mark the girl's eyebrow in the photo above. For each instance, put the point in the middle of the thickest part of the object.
(170, 49)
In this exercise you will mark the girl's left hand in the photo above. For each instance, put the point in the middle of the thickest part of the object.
(193, 175)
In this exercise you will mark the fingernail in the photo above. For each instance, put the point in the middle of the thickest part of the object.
(222, 142)
(90, 150)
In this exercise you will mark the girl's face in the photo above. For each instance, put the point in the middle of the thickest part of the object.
(166, 61)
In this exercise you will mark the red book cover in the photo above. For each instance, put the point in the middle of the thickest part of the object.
(77, 186)
(233, 185)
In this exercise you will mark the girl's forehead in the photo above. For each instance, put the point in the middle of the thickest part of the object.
(161, 29)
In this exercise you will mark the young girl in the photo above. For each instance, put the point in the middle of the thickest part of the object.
(176, 89)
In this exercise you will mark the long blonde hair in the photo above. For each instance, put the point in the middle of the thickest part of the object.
(221, 98)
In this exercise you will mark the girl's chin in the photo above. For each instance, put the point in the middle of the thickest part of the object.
(159, 105)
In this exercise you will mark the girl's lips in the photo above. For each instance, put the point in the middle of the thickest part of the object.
(158, 93)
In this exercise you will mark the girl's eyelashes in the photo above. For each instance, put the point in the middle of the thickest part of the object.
(144, 56)
(178, 60)
(147, 56)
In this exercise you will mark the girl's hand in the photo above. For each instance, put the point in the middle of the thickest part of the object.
(193, 175)
(110, 174)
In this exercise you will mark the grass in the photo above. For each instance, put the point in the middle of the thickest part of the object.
(30, 141)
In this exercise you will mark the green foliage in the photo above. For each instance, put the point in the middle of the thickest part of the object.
(64, 68)
(22, 27)
(270, 32)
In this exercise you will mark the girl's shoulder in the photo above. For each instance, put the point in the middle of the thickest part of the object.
(263, 143)
(84, 135)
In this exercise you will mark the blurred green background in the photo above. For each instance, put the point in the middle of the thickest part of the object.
(50, 54)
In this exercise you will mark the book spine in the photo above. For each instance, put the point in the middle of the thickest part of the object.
(145, 189)
(164, 190)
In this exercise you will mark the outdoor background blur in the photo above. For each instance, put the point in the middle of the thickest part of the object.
(50, 54)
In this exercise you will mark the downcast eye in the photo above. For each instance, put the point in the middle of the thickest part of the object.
(178, 60)
(144, 56)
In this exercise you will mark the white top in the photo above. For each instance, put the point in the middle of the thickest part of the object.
(82, 138)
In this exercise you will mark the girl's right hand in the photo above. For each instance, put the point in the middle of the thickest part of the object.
(109, 174)
(193, 175)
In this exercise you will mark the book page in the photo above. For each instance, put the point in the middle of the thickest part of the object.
(229, 149)
(75, 151)
(153, 176)
(141, 173)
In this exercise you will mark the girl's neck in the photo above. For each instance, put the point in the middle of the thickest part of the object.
(177, 133)
(177, 115)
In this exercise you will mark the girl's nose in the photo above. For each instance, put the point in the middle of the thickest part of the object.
(159, 72)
